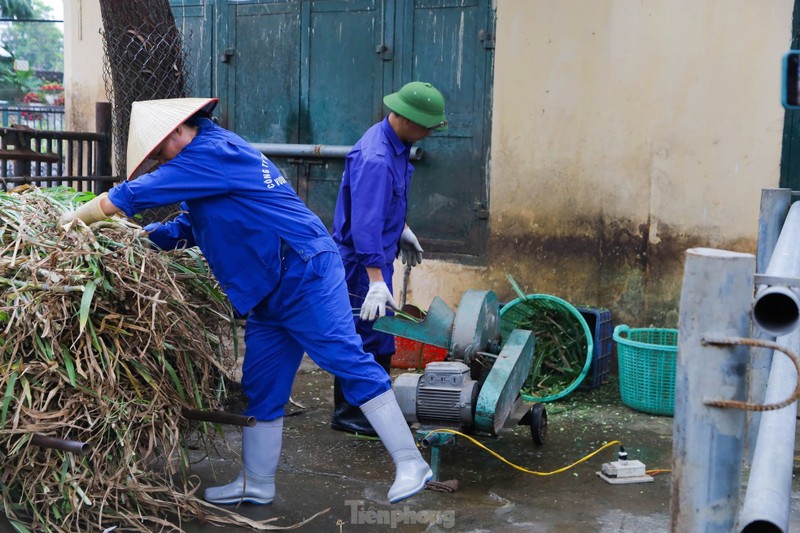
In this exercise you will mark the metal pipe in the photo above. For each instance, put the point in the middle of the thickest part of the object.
(772, 214)
(218, 417)
(435, 441)
(316, 150)
(774, 207)
(73, 446)
(767, 498)
(776, 309)
(708, 441)
(437, 438)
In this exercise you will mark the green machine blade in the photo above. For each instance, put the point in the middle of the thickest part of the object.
(504, 381)
(435, 329)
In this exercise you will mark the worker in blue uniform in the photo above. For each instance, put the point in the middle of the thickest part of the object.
(278, 265)
(369, 223)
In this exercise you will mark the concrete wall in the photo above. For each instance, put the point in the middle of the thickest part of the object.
(83, 63)
(624, 132)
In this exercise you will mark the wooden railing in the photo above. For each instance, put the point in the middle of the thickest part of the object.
(58, 158)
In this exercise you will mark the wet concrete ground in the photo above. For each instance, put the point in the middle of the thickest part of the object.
(346, 478)
(343, 480)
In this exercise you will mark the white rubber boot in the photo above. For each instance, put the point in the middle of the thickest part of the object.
(261, 451)
(412, 472)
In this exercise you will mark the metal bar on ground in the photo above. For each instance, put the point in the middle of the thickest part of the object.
(73, 446)
(219, 417)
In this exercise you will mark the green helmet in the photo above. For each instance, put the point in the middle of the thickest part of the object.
(419, 102)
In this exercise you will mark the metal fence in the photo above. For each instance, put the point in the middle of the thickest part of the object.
(35, 116)
(58, 158)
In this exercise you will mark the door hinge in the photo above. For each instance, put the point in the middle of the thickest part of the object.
(482, 210)
(487, 39)
(227, 55)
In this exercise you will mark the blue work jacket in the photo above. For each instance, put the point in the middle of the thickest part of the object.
(373, 197)
(239, 210)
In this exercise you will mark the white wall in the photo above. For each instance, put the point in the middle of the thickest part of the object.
(83, 63)
(668, 109)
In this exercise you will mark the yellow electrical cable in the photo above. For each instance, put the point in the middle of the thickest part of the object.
(521, 469)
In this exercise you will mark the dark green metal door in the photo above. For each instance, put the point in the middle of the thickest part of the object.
(448, 43)
(315, 72)
(195, 20)
(790, 154)
(342, 83)
(304, 73)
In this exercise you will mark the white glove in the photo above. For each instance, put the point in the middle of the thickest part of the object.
(89, 212)
(66, 218)
(410, 248)
(374, 305)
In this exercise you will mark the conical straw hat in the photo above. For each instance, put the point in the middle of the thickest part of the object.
(153, 120)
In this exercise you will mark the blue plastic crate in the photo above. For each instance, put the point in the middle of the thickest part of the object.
(599, 321)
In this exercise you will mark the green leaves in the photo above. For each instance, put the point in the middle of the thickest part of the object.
(7, 397)
(86, 304)
(103, 342)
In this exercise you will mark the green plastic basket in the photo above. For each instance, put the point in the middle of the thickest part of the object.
(519, 312)
(646, 359)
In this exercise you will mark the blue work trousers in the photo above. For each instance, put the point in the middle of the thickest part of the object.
(309, 311)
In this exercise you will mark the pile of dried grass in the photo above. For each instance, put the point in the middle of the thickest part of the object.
(103, 341)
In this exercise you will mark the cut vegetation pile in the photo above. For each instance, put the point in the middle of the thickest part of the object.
(103, 341)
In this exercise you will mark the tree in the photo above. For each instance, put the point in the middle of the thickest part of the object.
(39, 43)
(16, 9)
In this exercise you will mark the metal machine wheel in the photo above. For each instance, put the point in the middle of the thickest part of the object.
(475, 326)
(538, 420)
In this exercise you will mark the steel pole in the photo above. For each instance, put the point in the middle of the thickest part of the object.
(316, 150)
(767, 499)
(776, 309)
(773, 210)
(768, 495)
(708, 441)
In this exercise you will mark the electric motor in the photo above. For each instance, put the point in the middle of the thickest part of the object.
(444, 394)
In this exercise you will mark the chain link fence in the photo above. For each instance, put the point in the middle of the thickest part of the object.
(144, 59)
